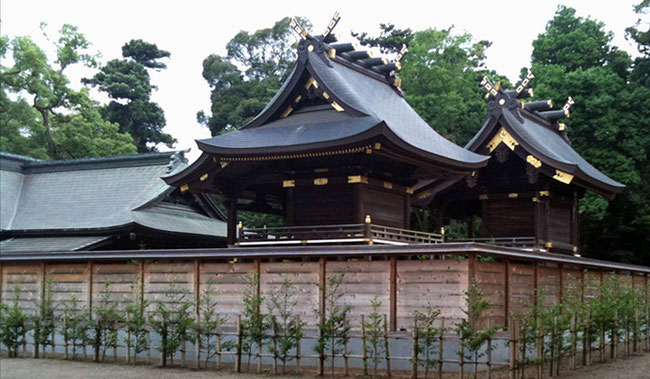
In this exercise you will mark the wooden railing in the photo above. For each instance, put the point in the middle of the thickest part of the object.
(334, 234)
(518, 242)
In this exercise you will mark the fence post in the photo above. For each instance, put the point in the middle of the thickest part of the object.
(635, 341)
(298, 342)
(489, 352)
(239, 342)
(414, 359)
(540, 348)
(512, 346)
(148, 347)
(363, 347)
(387, 346)
(197, 346)
(65, 336)
(259, 357)
(627, 335)
(613, 352)
(53, 343)
(601, 348)
(461, 357)
(116, 330)
(574, 342)
(441, 350)
(183, 352)
(218, 351)
(128, 340)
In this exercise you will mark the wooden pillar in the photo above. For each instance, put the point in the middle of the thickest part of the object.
(288, 212)
(141, 275)
(89, 288)
(561, 291)
(322, 282)
(1, 281)
(536, 280)
(393, 293)
(407, 211)
(506, 291)
(582, 284)
(196, 279)
(231, 236)
(357, 194)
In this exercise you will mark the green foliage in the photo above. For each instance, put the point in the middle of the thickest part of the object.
(76, 324)
(171, 320)
(608, 124)
(104, 324)
(246, 79)
(259, 220)
(439, 77)
(40, 114)
(126, 81)
(333, 327)
(254, 321)
(374, 325)
(428, 334)
(209, 324)
(13, 324)
(390, 39)
(473, 337)
(43, 322)
(135, 320)
(286, 327)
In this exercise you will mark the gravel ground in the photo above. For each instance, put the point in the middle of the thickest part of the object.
(628, 368)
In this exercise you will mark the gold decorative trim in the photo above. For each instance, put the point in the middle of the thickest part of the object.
(287, 112)
(535, 199)
(331, 53)
(185, 187)
(377, 145)
(561, 127)
(225, 161)
(397, 82)
(298, 98)
(203, 177)
(409, 190)
(563, 177)
(320, 181)
(326, 95)
(357, 179)
(483, 197)
(502, 136)
(311, 82)
(424, 194)
(502, 101)
(544, 193)
(575, 249)
(534, 161)
(336, 106)
(388, 185)
(310, 48)
(288, 183)
(321, 169)
(513, 195)
(224, 164)
(548, 245)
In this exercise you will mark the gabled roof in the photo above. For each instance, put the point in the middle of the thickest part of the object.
(362, 102)
(540, 139)
(96, 195)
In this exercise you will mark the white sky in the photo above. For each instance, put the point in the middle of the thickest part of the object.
(191, 30)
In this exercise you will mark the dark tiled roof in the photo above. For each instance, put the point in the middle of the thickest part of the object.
(369, 102)
(96, 194)
(49, 244)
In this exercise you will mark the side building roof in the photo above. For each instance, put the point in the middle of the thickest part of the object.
(94, 196)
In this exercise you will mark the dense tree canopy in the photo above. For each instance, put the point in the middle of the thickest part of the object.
(127, 83)
(40, 114)
(246, 79)
(608, 127)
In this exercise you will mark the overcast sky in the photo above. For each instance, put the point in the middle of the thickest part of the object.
(191, 30)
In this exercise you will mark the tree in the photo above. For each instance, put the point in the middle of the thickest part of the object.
(246, 79)
(127, 82)
(439, 76)
(41, 115)
(608, 125)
